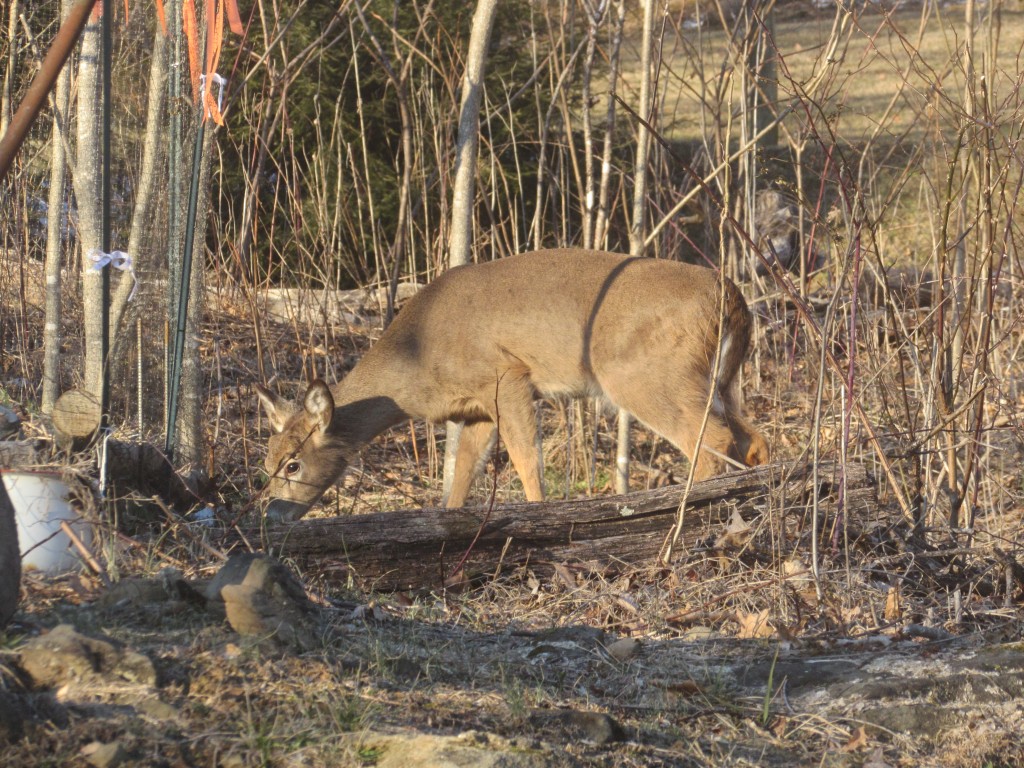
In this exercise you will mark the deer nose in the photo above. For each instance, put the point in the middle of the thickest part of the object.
(285, 511)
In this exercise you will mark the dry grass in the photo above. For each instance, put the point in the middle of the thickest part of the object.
(453, 662)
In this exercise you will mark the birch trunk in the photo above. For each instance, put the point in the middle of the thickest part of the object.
(595, 14)
(465, 175)
(636, 229)
(87, 180)
(54, 240)
(148, 177)
(191, 441)
(601, 223)
(7, 96)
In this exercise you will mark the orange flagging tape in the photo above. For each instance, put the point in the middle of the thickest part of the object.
(234, 20)
(161, 16)
(192, 35)
(202, 84)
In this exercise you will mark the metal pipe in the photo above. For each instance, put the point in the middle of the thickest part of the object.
(186, 280)
(57, 55)
(107, 49)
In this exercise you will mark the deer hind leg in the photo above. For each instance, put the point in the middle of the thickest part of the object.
(475, 444)
(750, 446)
(717, 440)
(673, 405)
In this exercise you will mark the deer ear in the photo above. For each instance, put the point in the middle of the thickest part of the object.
(278, 409)
(319, 404)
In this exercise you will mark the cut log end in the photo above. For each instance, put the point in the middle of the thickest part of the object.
(76, 420)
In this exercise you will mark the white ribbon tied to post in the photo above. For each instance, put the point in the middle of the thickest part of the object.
(220, 82)
(117, 260)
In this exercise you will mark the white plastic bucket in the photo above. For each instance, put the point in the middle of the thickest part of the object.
(41, 503)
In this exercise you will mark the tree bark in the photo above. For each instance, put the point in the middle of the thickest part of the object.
(601, 223)
(87, 196)
(148, 177)
(422, 547)
(7, 94)
(191, 437)
(460, 244)
(636, 228)
(54, 239)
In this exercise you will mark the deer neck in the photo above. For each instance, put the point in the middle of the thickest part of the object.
(366, 401)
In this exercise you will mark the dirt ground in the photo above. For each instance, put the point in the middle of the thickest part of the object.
(512, 673)
(909, 654)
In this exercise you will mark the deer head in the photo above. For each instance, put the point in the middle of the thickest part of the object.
(305, 456)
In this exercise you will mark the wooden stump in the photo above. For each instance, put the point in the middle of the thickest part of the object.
(76, 420)
(420, 548)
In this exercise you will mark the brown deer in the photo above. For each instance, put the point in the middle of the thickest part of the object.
(481, 342)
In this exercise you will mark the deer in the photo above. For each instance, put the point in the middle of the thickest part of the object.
(661, 339)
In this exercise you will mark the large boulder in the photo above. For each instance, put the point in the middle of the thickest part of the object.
(10, 559)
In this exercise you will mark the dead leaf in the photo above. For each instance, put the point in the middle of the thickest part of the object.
(796, 570)
(779, 725)
(893, 605)
(565, 575)
(626, 602)
(458, 581)
(851, 615)
(788, 634)
(858, 739)
(736, 534)
(754, 625)
(877, 759)
(688, 687)
(533, 583)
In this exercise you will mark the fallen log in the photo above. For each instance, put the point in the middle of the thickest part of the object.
(420, 548)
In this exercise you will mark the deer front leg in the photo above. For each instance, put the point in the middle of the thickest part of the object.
(517, 425)
(475, 445)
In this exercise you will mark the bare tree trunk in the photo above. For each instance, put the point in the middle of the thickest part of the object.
(465, 175)
(595, 13)
(601, 224)
(189, 448)
(147, 183)
(636, 229)
(7, 95)
(87, 196)
(54, 228)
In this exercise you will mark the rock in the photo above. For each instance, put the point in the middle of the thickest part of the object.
(66, 656)
(253, 570)
(921, 720)
(10, 424)
(471, 749)
(140, 594)
(10, 559)
(262, 599)
(12, 718)
(573, 725)
(579, 634)
(563, 645)
(623, 649)
(132, 593)
(23, 453)
(104, 755)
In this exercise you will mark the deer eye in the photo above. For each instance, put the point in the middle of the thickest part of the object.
(292, 468)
